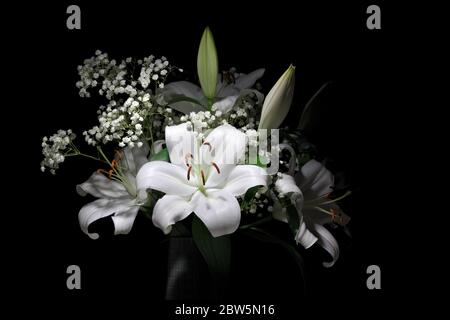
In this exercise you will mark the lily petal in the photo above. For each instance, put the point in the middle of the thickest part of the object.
(244, 177)
(123, 221)
(183, 96)
(157, 146)
(169, 210)
(184, 88)
(99, 209)
(101, 187)
(226, 90)
(314, 179)
(246, 81)
(219, 211)
(243, 82)
(285, 184)
(180, 141)
(228, 144)
(134, 158)
(326, 241)
(164, 177)
(225, 104)
(304, 236)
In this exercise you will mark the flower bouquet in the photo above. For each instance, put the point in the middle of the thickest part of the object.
(201, 160)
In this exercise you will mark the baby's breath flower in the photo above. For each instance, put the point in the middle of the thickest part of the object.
(123, 123)
(55, 149)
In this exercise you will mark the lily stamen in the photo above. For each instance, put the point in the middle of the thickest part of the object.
(346, 194)
(189, 172)
(118, 154)
(101, 171)
(216, 167)
(333, 214)
(186, 158)
(208, 144)
(203, 176)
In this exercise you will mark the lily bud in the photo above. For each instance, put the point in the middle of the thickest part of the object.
(207, 64)
(278, 101)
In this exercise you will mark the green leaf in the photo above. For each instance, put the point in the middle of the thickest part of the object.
(250, 194)
(314, 108)
(178, 97)
(293, 218)
(185, 104)
(215, 251)
(263, 164)
(163, 155)
(207, 64)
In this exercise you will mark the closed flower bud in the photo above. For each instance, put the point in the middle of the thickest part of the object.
(207, 64)
(278, 101)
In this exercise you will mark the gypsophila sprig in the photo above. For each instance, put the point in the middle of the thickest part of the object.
(121, 123)
(155, 71)
(132, 114)
(55, 149)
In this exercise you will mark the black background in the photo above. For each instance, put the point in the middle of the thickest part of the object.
(326, 41)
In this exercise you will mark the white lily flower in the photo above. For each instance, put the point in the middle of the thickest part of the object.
(285, 185)
(225, 97)
(316, 183)
(118, 195)
(202, 178)
(310, 188)
(278, 101)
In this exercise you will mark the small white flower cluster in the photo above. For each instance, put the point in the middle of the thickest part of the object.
(153, 70)
(202, 120)
(244, 113)
(100, 72)
(125, 118)
(121, 123)
(113, 79)
(259, 205)
(55, 149)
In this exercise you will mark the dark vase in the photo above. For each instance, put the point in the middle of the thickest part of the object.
(187, 273)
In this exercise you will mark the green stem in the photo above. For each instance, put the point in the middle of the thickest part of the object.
(78, 153)
(210, 103)
(104, 156)
(90, 157)
(110, 164)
